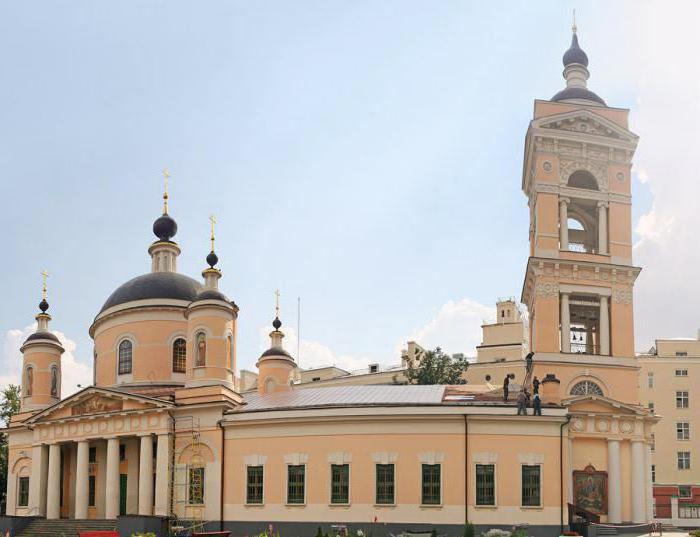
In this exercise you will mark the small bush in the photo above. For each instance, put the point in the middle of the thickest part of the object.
(469, 530)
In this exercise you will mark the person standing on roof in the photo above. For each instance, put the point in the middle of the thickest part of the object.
(522, 403)
(506, 382)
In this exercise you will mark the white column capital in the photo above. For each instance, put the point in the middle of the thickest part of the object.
(603, 205)
(564, 201)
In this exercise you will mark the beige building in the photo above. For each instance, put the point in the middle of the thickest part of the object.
(668, 379)
(166, 435)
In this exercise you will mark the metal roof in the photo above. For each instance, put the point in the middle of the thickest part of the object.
(344, 396)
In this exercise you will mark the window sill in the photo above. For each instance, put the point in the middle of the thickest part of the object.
(389, 505)
(253, 505)
(345, 505)
(295, 504)
(531, 507)
(431, 506)
(486, 507)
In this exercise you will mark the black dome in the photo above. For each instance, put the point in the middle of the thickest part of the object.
(43, 305)
(212, 259)
(165, 227)
(275, 351)
(211, 294)
(277, 323)
(41, 335)
(577, 93)
(155, 285)
(575, 54)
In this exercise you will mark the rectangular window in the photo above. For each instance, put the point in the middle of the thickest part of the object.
(651, 407)
(340, 483)
(684, 460)
(653, 473)
(196, 486)
(23, 492)
(685, 492)
(531, 486)
(683, 430)
(681, 372)
(650, 379)
(254, 486)
(682, 399)
(431, 484)
(296, 481)
(485, 484)
(92, 454)
(385, 484)
(681, 353)
(91, 490)
(653, 442)
(122, 452)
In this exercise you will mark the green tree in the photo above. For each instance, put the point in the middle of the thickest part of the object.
(436, 367)
(9, 406)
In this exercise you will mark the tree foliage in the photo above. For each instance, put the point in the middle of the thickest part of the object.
(9, 406)
(436, 367)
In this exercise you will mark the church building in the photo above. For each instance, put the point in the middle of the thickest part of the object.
(165, 439)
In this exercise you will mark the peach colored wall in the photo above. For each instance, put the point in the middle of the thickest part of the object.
(217, 324)
(620, 226)
(549, 108)
(619, 383)
(622, 323)
(546, 322)
(41, 358)
(152, 349)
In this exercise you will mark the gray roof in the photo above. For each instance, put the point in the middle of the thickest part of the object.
(344, 396)
(155, 285)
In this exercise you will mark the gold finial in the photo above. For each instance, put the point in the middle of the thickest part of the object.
(277, 303)
(166, 176)
(573, 23)
(212, 219)
(44, 275)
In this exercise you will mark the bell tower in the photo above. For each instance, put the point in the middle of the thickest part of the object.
(579, 279)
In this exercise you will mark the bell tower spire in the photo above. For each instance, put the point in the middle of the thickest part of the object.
(164, 251)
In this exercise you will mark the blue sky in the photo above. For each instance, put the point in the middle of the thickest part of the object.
(365, 156)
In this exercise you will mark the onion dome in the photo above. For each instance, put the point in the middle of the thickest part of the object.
(277, 323)
(212, 259)
(165, 227)
(575, 54)
(155, 285)
(43, 305)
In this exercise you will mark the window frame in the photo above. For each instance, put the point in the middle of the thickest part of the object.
(682, 459)
(190, 469)
(653, 473)
(650, 380)
(21, 501)
(683, 373)
(683, 431)
(685, 497)
(376, 484)
(288, 498)
(682, 399)
(494, 486)
(249, 467)
(175, 358)
(120, 372)
(438, 503)
(539, 486)
(347, 484)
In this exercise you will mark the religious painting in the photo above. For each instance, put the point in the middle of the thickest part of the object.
(30, 382)
(54, 382)
(95, 405)
(201, 350)
(591, 490)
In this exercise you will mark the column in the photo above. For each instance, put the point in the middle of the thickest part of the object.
(602, 228)
(81, 480)
(53, 491)
(565, 323)
(37, 481)
(112, 479)
(563, 224)
(604, 327)
(614, 484)
(146, 476)
(163, 475)
(639, 471)
(650, 483)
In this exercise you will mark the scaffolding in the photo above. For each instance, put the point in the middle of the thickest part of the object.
(187, 478)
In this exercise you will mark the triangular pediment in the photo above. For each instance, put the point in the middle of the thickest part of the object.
(600, 404)
(586, 122)
(94, 401)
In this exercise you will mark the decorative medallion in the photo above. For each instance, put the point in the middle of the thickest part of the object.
(547, 290)
(620, 177)
(547, 166)
(602, 426)
(577, 424)
(626, 427)
(622, 296)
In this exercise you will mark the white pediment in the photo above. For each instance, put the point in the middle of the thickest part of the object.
(586, 122)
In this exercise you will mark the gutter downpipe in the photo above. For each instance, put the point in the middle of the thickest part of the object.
(561, 473)
(223, 482)
(466, 470)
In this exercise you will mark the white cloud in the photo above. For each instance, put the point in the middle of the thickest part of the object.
(313, 353)
(455, 328)
(73, 372)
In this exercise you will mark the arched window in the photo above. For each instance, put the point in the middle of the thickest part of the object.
(179, 355)
(125, 356)
(200, 349)
(29, 382)
(586, 387)
(54, 382)
(229, 352)
(583, 179)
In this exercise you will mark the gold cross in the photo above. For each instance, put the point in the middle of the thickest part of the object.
(166, 176)
(277, 303)
(212, 219)
(573, 25)
(44, 275)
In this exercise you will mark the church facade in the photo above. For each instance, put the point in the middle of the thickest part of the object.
(165, 431)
